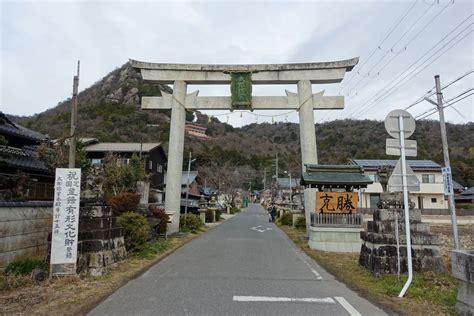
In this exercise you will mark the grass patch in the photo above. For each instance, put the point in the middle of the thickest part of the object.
(77, 295)
(152, 249)
(430, 293)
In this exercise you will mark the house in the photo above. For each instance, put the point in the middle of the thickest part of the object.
(430, 196)
(153, 153)
(466, 197)
(23, 175)
(195, 130)
(284, 185)
(191, 183)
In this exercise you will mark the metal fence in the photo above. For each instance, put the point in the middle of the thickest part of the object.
(342, 220)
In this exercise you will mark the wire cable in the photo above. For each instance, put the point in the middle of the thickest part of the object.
(408, 74)
(395, 25)
(434, 110)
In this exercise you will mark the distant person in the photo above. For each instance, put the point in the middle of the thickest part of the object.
(271, 212)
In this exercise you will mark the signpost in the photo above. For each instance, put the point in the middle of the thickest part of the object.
(67, 189)
(337, 202)
(400, 125)
(447, 181)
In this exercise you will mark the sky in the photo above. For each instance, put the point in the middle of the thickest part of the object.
(401, 44)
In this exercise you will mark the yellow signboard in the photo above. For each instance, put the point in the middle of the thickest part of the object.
(337, 202)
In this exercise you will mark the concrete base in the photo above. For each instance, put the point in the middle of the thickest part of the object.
(335, 239)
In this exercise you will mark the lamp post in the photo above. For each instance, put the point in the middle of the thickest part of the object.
(291, 198)
(187, 188)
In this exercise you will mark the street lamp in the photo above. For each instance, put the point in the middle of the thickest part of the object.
(291, 198)
(187, 188)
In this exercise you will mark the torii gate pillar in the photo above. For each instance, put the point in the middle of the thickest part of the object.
(309, 154)
(175, 155)
(241, 78)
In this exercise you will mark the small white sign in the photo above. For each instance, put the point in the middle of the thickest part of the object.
(395, 182)
(447, 181)
(393, 147)
(67, 191)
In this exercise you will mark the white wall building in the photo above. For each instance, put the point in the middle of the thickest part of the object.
(430, 196)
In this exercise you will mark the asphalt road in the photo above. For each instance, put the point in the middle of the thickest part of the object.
(245, 266)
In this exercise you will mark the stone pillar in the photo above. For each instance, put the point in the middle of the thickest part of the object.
(175, 156)
(307, 131)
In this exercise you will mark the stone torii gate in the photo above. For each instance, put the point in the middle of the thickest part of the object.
(240, 78)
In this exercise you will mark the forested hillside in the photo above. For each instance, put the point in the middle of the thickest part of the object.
(109, 110)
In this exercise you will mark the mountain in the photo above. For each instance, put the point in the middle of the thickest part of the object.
(110, 111)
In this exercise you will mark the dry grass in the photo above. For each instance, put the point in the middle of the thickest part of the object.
(429, 294)
(76, 295)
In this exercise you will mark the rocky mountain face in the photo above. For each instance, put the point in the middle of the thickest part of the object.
(110, 111)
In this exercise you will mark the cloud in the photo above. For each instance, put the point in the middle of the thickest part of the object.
(41, 42)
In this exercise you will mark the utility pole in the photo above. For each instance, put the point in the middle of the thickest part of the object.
(72, 135)
(276, 175)
(264, 177)
(447, 163)
(187, 189)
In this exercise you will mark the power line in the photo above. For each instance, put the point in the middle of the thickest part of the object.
(414, 63)
(381, 43)
(411, 74)
(432, 92)
(391, 49)
(381, 94)
(434, 110)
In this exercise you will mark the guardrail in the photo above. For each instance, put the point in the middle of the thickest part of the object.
(342, 220)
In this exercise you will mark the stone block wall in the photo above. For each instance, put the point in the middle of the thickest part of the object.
(24, 229)
(101, 244)
(462, 262)
(379, 251)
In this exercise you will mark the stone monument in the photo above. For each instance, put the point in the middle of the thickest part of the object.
(101, 243)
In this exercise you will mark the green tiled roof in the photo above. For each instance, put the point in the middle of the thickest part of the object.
(335, 175)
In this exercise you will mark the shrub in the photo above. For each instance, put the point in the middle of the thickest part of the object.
(286, 219)
(234, 210)
(300, 222)
(124, 202)
(193, 223)
(136, 230)
(158, 212)
(25, 266)
(209, 216)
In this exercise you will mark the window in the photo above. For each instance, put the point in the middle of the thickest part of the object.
(428, 178)
(374, 177)
(374, 200)
(122, 161)
(434, 200)
(96, 161)
(150, 165)
(159, 168)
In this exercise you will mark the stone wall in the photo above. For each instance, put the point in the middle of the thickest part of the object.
(379, 251)
(462, 262)
(101, 243)
(24, 229)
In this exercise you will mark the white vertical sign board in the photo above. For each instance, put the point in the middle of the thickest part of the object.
(67, 189)
(447, 181)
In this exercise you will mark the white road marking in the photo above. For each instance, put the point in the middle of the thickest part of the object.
(260, 228)
(327, 300)
(318, 276)
(348, 307)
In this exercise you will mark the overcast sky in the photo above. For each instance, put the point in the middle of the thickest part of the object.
(401, 45)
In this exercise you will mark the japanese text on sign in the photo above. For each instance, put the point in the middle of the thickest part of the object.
(337, 202)
(67, 190)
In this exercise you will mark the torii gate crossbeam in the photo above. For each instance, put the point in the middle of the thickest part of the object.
(180, 75)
